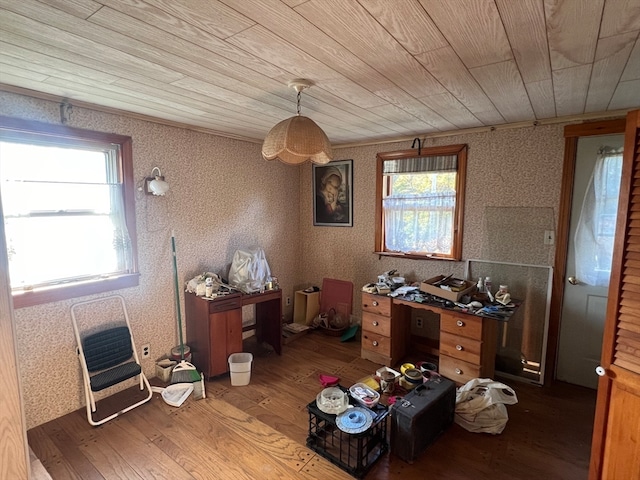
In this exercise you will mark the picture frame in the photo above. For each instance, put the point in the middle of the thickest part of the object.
(333, 194)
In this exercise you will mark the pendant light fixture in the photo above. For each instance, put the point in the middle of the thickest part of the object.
(297, 139)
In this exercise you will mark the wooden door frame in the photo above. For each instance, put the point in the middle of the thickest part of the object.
(625, 378)
(14, 444)
(572, 133)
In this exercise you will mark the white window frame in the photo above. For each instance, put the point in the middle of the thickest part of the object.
(25, 131)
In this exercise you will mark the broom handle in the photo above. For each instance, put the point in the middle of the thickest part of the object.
(176, 288)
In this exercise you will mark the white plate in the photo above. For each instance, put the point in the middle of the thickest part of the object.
(355, 420)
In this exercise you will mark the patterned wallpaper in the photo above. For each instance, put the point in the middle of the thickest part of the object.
(224, 196)
(513, 182)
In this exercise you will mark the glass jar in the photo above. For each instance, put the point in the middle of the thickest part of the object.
(502, 295)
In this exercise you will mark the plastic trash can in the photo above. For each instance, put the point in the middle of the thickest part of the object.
(240, 368)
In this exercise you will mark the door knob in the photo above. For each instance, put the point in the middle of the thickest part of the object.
(601, 371)
(573, 280)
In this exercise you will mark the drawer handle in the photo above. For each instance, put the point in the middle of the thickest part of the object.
(459, 348)
(375, 344)
(375, 304)
(458, 371)
(375, 323)
(460, 323)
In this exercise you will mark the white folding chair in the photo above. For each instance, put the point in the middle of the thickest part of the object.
(107, 355)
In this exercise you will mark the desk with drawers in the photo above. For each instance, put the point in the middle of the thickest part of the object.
(467, 345)
(214, 327)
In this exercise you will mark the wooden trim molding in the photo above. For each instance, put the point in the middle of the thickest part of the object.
(56, 294)
(15, 453)
(21, 128)
(572, 133)
(460, 151)
(603, 127)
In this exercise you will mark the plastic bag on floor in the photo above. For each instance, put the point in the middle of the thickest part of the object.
(480, 405)
(249, 270)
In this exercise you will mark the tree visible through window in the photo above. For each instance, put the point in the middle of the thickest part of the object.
(69, 228)
(420, 201)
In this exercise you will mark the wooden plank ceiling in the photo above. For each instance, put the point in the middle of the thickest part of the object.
(382, 69)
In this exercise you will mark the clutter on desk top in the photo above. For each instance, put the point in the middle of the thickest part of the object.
(209, 285)
(447, 287)
(389, 283)
(249, 273)
(447, 291)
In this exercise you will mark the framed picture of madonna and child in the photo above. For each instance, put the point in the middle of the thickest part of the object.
(333, 194)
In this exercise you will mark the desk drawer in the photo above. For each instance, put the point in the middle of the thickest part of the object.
(458, 370)
(462, 348)
(223, 304)
(464, 325)
(376, 343)
(376, 324)
(378, 304)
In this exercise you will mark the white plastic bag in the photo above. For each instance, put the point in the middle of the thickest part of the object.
(249, 270)
(480, 405)
(197, 284)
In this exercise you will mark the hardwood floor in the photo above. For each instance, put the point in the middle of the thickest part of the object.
(259, 431)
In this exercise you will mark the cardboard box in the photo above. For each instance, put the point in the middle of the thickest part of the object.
(306, 306)
(427, 287)
(164, 368)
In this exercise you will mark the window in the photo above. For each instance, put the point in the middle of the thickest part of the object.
(68, 211)
(593, 241)
(420, 200)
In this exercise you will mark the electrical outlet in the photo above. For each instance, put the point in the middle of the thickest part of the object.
(418, 322)
(288, 301)
(146, 350)
(549, 237)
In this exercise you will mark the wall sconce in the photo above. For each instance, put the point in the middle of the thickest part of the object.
(155, 185)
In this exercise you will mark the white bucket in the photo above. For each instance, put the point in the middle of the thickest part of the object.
(240, 368)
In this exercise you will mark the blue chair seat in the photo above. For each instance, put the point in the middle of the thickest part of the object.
(107, 356)
(118, 374)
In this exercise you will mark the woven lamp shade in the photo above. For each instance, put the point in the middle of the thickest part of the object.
(296, 140)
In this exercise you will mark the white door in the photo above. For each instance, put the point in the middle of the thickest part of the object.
(584, 305)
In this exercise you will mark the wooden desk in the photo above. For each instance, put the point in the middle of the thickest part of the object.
(214, 327)
(467, 345)
(268, 317)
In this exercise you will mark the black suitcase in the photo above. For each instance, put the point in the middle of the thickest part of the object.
(419, 418)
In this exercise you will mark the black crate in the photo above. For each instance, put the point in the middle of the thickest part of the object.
(354, 453)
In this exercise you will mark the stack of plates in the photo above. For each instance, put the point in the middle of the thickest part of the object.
(355, 420)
